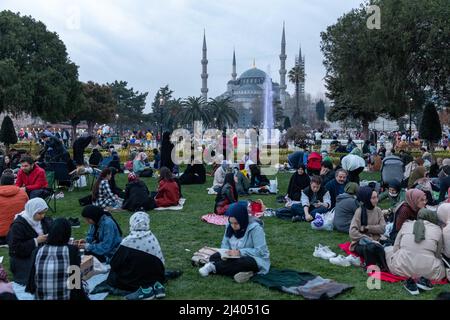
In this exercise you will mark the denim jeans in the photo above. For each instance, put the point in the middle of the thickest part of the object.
(298, 210)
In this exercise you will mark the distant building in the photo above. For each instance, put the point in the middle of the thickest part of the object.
(247, 91)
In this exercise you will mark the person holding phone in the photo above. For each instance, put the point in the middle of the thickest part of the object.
(28, 232)
(315, 199)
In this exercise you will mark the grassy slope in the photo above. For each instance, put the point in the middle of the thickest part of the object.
(291, 246)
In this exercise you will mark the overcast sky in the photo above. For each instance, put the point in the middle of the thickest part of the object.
(153, 43)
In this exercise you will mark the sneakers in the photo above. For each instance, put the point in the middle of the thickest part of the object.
(159, 290)
(424, 284)
(323, 252)
(411, 287)
(59, 195)
(340, 261)
(242, 277)
(74, 222)
(141, 294)
(207, 269)
(354, 261)
(296, 219)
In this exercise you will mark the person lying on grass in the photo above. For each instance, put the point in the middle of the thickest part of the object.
(245, 242)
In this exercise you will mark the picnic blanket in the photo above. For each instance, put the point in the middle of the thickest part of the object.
(19, 290)
(383, 276)
(218, 220)
(173, 208)
(300, 283)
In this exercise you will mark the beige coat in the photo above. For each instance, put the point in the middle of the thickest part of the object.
(444, 215)
(410, 259)
(375, 226)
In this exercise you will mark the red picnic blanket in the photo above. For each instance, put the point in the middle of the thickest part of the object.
(383, 276)
(218, 220)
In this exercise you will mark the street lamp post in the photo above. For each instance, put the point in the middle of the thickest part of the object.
(410, 119)
(162, 101)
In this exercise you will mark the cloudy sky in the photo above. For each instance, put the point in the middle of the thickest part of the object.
(153, 43)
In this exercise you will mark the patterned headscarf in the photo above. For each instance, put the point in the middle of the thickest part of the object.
(141, 238)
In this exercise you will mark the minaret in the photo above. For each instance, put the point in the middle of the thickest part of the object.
(283, 71)
(234, 74)
(204, 69)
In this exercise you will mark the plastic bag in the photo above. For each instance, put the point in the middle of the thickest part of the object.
(273, 186)
(323, 221)
(81, 182)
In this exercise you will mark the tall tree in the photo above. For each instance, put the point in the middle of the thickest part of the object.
(100, 104)
(8, 133)
(195, 109)
(130, 103)
(295, 75)
(35, 71)
(430, 127)
(371, 73)
(221, 113)
(320, 110)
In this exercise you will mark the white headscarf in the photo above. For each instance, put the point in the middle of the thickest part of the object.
(141, 238)
(32, 207)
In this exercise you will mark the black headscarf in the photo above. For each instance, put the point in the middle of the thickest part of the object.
(238, 210)
(166, 152)
(60, 232)
(96, 213)
(364, 196)
(298, 183)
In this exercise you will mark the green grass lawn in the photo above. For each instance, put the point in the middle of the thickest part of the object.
(291, 246)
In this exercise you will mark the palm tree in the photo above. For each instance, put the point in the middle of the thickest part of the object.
(296, 75)
(194, 109)
(222, 113)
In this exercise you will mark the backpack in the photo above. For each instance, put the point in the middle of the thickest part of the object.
(314, 161)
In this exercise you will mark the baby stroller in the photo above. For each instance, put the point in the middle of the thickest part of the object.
(392, 169)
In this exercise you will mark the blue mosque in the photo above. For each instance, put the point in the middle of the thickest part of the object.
(247, 91)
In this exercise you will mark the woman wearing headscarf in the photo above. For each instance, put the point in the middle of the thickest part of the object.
(417, 249)
(245, 241)
(28, 231)
(139, 167)
(346, 205)
(327, 172)
(417, 174)
(195, 173)
(138, 263)
(226, 195)
(299, 181)
(137, 195)
(443, 213)
(219, 176)
(166, 152)
(104, 235)
(115, 162)
(408, 210)
(50, 268)
(96, 157)
(257, 180)
(366, 229)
